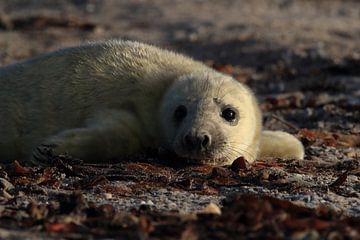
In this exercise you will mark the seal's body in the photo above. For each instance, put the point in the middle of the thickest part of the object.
(106, 100)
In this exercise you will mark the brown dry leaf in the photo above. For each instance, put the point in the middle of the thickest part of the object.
(98, 180)
(266, 163)
(45, 177)
(20, 169)
(339, 181)
(145, 225)
(23, 181)
(186, 184)
(329, 138)
(203, 169)
(349, 140)
(189, 233)
(211, 191)
(292, 100)
(239, 164)
(224, 68)
(307, 223)
(40, 22)
(118, 189)
(224, 181)
(220, 172)
(60, 227)
(306, 133)
(150, 171)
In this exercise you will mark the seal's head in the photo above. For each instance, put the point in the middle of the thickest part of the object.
(209, 117)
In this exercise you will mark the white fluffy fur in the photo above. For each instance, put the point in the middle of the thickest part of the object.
(102, 101)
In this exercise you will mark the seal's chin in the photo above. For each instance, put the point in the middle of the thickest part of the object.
(201, 157)
(184, 152)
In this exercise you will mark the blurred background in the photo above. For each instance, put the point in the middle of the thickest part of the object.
(307, 49)
(234, 31)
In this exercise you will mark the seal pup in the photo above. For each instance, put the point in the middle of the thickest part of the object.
(106, 100)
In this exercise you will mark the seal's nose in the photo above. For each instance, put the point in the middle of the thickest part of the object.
(197, 141)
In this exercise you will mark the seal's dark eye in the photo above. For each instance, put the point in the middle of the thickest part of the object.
(229, 114)
(180, 113)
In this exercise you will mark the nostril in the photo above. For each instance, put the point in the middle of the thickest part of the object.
(194, 141)
(205, 141)
(188, 141)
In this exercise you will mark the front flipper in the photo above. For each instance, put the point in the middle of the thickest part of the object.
(42, 154)
(108, 135)
(280, 145)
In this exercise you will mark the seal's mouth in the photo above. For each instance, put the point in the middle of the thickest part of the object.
(186, 159)
(182, 157)
(195, 154)
(201, 148)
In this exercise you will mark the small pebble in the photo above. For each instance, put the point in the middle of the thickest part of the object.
(211, 208)
(108, 195)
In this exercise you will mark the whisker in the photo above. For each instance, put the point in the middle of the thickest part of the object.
(239, 151)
